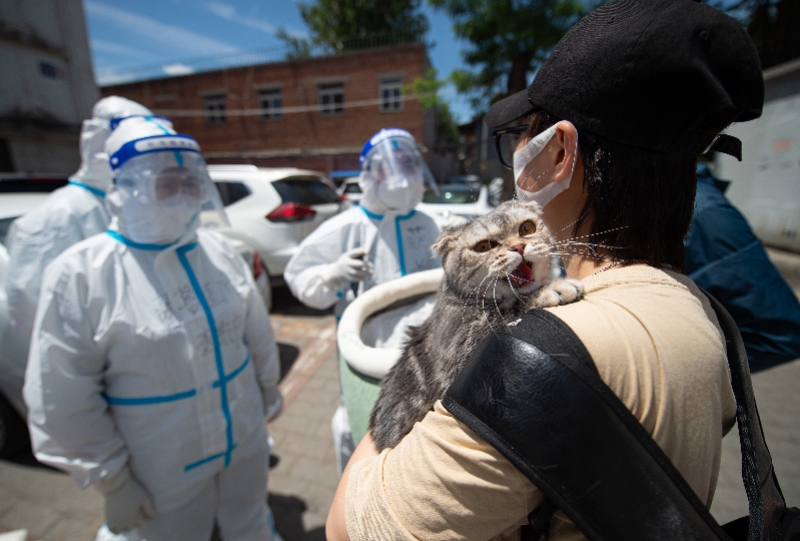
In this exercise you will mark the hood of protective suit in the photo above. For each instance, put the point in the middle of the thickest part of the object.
(94, 170)
(162, 192)
(394, 174)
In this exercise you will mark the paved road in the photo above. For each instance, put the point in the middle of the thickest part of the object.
(301, 486)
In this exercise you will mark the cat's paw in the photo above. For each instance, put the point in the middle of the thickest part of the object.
(560, 292)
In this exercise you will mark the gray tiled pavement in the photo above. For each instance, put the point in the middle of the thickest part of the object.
(778, 400)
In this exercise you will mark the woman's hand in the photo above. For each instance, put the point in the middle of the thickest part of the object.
(335, 527)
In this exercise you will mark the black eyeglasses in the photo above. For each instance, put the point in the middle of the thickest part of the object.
(507, 140)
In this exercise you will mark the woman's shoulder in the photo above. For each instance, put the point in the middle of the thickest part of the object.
(648, 330)
(638, 302)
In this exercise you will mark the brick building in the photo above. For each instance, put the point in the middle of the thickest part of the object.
(313, 113)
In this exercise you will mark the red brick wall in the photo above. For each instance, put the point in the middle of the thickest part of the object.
(298, 137)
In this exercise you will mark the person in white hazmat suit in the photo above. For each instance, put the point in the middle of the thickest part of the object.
(70, 214)
(153, 364)
(381, 239)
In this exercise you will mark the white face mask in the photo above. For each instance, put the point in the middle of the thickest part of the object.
(526, 155)
(400, 196)
(159, 222)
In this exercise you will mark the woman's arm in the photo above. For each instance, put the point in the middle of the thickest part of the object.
(335, 528)
(441, 482)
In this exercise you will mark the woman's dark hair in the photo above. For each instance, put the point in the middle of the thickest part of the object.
(640, 200)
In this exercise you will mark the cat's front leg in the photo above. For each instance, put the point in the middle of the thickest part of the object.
(559, 292)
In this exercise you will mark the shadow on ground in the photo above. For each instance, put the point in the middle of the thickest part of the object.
(288, 512)
(285, 304)
(288, 355)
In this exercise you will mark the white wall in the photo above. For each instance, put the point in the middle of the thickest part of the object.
(47, 80)
(765, 185)
(46, 153)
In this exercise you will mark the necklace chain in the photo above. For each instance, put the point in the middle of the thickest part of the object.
(606, 267)
(630, 262)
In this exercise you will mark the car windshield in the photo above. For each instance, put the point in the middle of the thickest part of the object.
(231, 191)
(305, 191)
(352, 188)
(450, 196)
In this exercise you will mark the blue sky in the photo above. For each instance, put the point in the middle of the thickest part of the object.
(126, 34)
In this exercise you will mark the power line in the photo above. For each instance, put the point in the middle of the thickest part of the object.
(177, 113)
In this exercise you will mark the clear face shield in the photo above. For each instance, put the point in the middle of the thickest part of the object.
(164, 195)
(395, 171)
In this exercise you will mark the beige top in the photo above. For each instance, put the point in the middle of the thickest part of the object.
(656, 344)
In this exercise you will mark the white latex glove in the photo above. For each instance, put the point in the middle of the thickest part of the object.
(348, 268)
(273, 403)
(128, 504)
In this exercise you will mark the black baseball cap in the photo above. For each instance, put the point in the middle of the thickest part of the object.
(647, 73)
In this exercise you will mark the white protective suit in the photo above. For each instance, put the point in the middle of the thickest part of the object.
(70, 214)
(397, 242)
(158, 357)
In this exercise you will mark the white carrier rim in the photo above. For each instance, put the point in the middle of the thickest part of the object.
(376, 362)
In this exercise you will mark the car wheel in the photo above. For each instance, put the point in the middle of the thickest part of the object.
(14, 436)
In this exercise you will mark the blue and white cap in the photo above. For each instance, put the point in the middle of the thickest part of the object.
(115, 108)
(144, 135)
(381, 136)
(94, 173)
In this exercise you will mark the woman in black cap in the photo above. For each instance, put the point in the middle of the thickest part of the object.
(607, 142)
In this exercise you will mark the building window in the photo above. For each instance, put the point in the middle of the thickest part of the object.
(52, 71)
(390, 93)
(331, 99)
(215, 108)
(270, 103)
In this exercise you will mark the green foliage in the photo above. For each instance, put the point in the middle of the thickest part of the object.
(337, 25)
(508, 40)
(772, 24)
(426, 89)
(296, 47)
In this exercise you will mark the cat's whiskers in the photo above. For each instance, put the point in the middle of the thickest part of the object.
(494, 294)
(590, 245)
(591, 234)
(513, 289)
(476, 289)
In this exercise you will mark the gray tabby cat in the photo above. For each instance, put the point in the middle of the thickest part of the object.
(496, 268)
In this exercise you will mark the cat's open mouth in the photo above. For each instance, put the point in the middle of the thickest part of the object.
(522, 275)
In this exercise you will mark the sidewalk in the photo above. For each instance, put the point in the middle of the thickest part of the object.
(778, 400)
(303, 483)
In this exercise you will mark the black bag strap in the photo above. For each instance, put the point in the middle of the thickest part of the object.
(545, 408)
(764, 496)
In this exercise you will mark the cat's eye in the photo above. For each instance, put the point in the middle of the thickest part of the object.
(484, 246)
(527, 228)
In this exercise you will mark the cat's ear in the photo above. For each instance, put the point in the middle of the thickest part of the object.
(447, 238)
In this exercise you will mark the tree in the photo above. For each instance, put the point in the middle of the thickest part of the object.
(338, 25)
(508, 40)
(774, 26)
(296, 46)
(426, 89)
